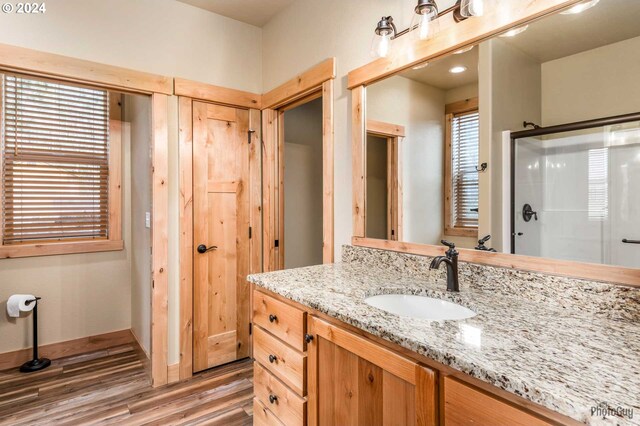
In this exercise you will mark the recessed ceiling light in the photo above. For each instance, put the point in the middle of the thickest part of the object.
(420, 66)
(458, 69)
(580, 7)
(515, 31)
(464, 50)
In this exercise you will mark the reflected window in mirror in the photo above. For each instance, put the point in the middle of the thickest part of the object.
(462, 143)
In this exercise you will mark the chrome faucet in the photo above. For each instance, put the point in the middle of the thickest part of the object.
(451, 260)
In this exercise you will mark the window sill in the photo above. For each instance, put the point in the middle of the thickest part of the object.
(461, 232)
(51, 249)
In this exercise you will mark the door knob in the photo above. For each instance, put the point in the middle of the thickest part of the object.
(203, 249)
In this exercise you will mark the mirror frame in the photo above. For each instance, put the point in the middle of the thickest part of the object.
(503, 15)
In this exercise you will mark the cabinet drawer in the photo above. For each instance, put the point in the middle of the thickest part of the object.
(290, 408)
(284, 362)
(466, 405)
(262, 416)
(280, 319)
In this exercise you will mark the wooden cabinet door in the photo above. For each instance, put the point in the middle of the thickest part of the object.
(221, 224)
(353, 381)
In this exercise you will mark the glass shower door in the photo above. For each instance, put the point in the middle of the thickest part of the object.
(577, 195)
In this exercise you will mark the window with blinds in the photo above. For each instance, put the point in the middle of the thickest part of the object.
(464, 145)
(55, 161)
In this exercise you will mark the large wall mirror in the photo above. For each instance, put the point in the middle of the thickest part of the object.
(526, 143)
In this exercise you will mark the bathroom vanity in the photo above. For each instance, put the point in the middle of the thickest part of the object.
(540, 349)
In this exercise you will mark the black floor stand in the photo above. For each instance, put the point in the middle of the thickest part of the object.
(36, 364)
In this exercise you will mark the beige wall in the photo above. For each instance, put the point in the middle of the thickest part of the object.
(159, 36)
(420, 109)
(597, 83)
(510, 85)
(303, 185)
(137, 115)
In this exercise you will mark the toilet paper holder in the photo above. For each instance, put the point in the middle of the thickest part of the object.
(36, 364)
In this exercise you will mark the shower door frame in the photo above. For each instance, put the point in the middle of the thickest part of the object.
(541, 131)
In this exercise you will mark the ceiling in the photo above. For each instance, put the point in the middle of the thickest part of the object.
(557, 36)
(437, 74)
(254, 12)
(610, 21)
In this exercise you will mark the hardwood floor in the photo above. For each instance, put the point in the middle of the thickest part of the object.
(112, 387)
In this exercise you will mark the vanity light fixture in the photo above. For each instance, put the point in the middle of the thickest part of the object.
(580, 7)
(385, 32)
(515, 31)
(423, 24)
(426, 11)
(457, 69)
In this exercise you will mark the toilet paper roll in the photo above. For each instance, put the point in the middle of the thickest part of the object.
(18, 303)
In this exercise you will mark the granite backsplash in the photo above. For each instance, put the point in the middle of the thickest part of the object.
(605, 300)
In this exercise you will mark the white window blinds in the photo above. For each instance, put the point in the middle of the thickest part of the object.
(55, 164)
(464, 159)
(598, 184)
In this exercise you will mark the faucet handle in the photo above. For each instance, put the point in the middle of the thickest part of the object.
(448, 244)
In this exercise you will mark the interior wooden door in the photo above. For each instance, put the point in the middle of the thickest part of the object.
(221, 311)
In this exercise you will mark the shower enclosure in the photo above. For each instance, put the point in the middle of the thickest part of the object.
(575, 191)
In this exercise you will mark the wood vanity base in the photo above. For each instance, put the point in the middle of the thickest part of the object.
(344, 376)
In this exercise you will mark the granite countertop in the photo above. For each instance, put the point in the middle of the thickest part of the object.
(566, 359)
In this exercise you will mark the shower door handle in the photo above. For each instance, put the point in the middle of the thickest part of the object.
(624, 240)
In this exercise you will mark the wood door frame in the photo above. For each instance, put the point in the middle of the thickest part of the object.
(157, 87)
(185, 90)
(451, 37)
(311, 84)
(392, 133)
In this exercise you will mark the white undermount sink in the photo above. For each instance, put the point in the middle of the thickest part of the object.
(421, 307)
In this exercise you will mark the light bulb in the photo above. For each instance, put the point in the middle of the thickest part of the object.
(383, 46)
(423, 23)
(384, 33)
(423, 26)
(472, 8)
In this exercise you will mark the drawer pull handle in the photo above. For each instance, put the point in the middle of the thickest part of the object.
(273, 318)
(273, 399)
(308, 338)
(272, 358)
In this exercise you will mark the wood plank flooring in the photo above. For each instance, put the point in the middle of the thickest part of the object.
(111, 387)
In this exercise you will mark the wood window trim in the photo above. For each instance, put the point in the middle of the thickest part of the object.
(65, 68)
(460, 107)
(114, 241)
(392, 133)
